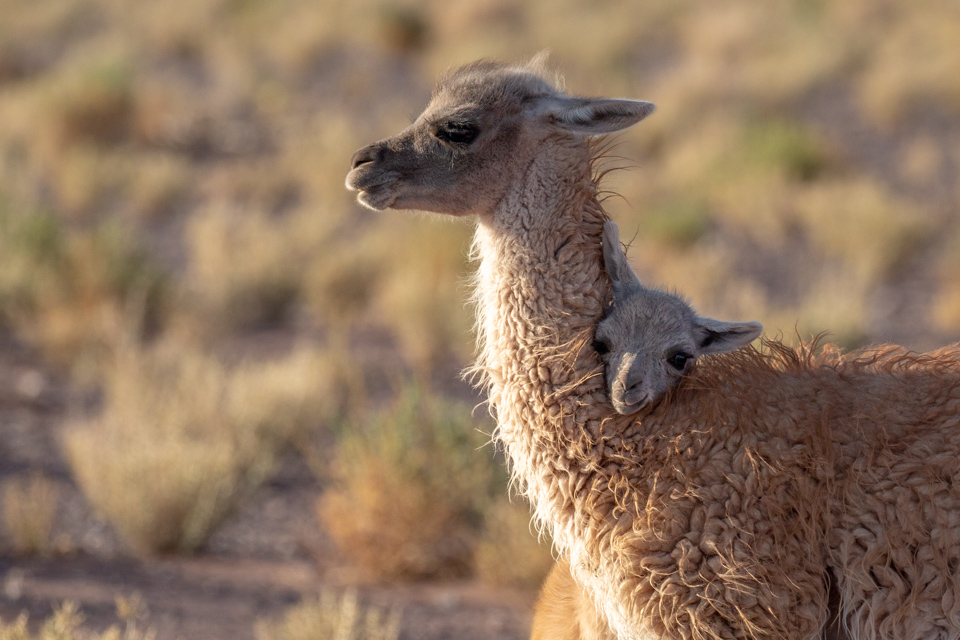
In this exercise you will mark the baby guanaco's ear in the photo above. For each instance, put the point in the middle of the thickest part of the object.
(616, 264)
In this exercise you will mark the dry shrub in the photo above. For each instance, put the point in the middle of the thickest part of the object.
(409, 489)
(946, 309)
(29, 510)
(914, 64)
(402, 276)
(92, 105)
(404, 29)
(421, 300)
(243, 267)
(86, 180)
(510, 552)
(922, 160)
(341, 284)
(783, 145)
(159, 184)
(332, 618)
(71, 293)
(861, 223)
(182, 439)
(65, 624)
(766, 54)
(836, 304)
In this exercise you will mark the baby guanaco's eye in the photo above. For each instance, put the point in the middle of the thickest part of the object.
(678, 361)
(601, 347)
(458, 132)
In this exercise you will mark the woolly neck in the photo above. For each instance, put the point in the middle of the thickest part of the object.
(540, 290)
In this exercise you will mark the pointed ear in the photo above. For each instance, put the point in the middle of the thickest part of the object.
(596, 116)
(616, 263)
(716, 336)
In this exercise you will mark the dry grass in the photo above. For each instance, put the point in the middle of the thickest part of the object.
(66, 624)
(862, 224)
(914, 65)
(29, 511)
(510, 553)
(410, 487)
(242, 270)
(332, 617)
(678, 223)
(421, 297)
(182, 439)
(947, 307)
(71, 294)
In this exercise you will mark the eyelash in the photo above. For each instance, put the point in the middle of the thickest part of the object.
(458, 132)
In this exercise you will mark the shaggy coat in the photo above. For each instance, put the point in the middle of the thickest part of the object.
(765, 478)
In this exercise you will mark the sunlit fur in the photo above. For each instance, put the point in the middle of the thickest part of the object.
(565, 612)
(722, 512)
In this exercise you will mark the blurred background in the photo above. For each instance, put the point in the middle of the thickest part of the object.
(229, 396)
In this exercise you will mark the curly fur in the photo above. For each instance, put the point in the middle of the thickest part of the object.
(724, 512)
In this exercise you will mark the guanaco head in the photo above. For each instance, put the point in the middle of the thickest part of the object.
(484, 126)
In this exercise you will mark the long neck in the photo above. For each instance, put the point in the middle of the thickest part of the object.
(540, 292)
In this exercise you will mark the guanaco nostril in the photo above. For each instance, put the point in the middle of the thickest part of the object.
(365, 156)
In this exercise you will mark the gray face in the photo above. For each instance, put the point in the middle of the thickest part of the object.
(441, 161)
(647, 343)
(482, 128)
(649, 339)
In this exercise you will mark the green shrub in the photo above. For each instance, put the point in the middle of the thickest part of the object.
(680, 223)
(784, 145)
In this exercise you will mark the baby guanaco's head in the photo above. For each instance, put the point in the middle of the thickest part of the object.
(649, 339)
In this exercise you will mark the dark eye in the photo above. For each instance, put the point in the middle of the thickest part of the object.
(601, 347)
(458, 132)
(678, 361)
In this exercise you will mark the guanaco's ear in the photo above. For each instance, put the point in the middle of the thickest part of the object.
(596, 116)
(716, 336)
(616, 264)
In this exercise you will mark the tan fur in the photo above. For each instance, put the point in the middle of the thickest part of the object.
(724, 511)
(564, 611)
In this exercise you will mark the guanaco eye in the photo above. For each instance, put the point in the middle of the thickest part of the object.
(458, 132)
(601, 347)
(678, 361)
